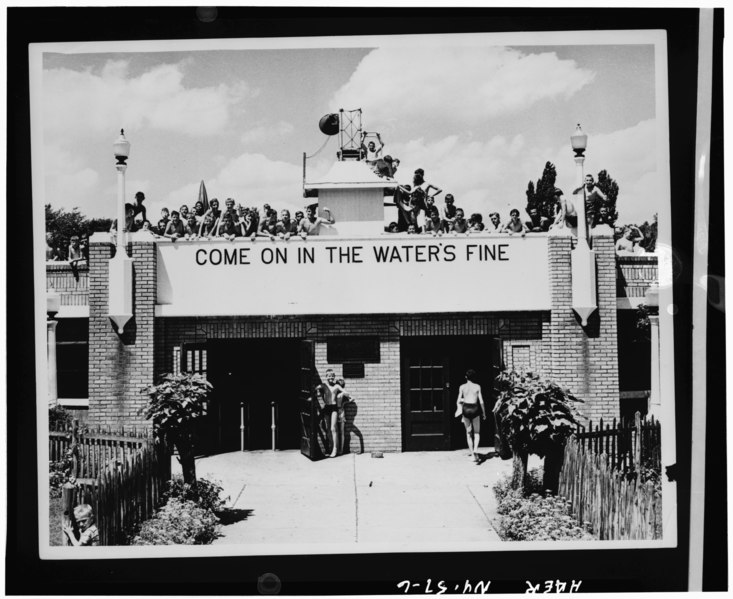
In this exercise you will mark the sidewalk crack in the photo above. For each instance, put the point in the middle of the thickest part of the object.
(483, 511)
(234, 503)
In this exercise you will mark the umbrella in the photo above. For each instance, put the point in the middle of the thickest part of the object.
(203, 197)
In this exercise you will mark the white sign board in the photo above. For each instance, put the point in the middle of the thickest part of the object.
(327, 275)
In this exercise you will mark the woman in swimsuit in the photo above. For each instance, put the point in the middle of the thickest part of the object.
(470, 406)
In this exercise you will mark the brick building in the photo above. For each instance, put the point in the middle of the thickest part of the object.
(402, 359)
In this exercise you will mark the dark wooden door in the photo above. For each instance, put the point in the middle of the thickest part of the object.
(311, 442)
(425, 399)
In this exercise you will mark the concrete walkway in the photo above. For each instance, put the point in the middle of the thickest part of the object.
(416, 497)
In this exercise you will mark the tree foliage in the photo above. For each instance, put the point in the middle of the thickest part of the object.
(174, 404)
(62, 224)
(536, 417)
(541, 195)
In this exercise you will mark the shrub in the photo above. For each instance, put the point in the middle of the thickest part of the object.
(58, 415)
(179, 522)
(536, 416)
(59, 472)
(206, 493)
(535, 518)
(174, 405)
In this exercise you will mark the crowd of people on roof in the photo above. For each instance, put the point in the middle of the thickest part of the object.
(230, 222)
(418, 213)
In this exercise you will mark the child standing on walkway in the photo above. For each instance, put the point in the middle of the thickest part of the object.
(88, 533)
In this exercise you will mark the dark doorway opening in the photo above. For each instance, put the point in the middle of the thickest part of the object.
(251, 379)
(433, 369)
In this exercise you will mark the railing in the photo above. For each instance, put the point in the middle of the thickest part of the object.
(615, 506)
(635, 274)
(93, 449)
(70, 282)
(124, 494)
(625, 445)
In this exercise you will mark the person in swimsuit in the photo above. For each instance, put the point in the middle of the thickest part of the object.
(332, 399)
(311, 224)
(593, 196)
(566, 216)
(515, 225)
(470, 405)
(494, 225)
(340, 400)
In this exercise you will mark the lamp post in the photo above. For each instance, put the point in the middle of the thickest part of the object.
(120, 267)
(579, 142)
(655, 397)
(583, 259)
(53, 304)
(122, 153)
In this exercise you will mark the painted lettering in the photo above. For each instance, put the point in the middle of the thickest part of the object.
(306, 255)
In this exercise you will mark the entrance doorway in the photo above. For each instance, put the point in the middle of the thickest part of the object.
(252, 378)
(433, 368)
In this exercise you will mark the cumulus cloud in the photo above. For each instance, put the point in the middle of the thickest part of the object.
(91, 100)
(630, 157)
(492, 174)
(252, 180)
(478, 83)
(262, 133)
(67, 179)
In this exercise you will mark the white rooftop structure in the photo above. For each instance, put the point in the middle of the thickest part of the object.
(350, 174)
(354, 195)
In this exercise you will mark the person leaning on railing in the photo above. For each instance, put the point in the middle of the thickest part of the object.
(311, 224)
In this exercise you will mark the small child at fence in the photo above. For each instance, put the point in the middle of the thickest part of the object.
(88, 532)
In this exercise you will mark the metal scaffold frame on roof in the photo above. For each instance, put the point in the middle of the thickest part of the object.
(350, 134)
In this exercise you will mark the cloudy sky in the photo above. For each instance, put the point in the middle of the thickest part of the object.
(481, 120)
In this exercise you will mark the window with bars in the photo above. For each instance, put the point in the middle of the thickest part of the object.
(190, 358)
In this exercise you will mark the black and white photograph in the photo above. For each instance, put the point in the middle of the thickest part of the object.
(354, 294)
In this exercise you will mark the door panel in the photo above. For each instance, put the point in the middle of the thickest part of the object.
(311, 438)
(425, 400)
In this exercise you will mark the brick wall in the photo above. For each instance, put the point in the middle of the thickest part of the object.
(585, 359)
(553, 343)
(120, 365)
(378, 394)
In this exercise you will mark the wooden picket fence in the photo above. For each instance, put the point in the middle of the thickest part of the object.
(129, 475)
(627, 444)
(617, 506)
(94, 448)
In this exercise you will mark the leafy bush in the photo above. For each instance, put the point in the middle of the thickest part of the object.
(58, 415)
(535, 518)
(536, 415)
(174, 405)
(206, 493)
(179, 522)
(60, 472)
(533, 484)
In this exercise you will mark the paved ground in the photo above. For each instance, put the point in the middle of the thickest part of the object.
(424, 497)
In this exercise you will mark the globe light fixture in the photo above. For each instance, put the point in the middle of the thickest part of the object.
(122, 148)
(579, 141)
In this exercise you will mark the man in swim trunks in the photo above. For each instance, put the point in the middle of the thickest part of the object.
(332, 400)
(471, 406)
(311, 224)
